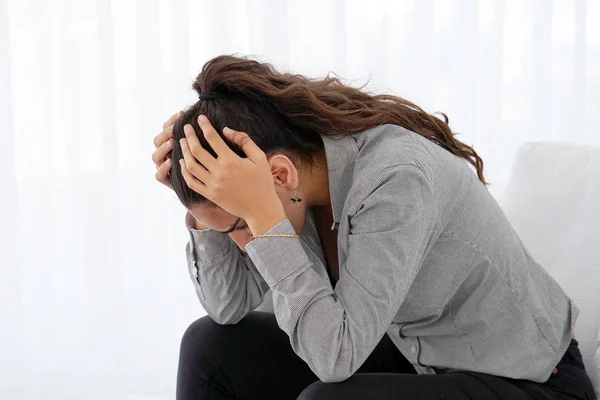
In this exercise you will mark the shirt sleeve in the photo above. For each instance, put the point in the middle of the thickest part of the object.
(227, 283)
(334, 331)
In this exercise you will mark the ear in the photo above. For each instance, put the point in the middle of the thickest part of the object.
(285, 174)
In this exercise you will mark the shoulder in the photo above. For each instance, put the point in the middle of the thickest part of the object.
(388, 148)
(389, 166)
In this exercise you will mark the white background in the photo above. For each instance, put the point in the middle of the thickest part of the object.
(93, 284)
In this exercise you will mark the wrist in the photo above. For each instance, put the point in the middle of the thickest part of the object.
(261, 223)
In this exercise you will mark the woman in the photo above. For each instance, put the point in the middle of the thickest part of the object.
(393, 273)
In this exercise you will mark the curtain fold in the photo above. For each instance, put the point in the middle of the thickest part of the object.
(95, 291)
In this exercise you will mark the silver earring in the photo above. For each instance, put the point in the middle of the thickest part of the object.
(296, 199)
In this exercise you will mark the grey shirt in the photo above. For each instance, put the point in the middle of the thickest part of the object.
(426, 256)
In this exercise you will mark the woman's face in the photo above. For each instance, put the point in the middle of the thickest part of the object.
(216, 218)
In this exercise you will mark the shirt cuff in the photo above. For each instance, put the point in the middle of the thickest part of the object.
(209, 246)
(278, 257)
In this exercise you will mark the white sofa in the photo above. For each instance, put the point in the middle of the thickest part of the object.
(553, 202)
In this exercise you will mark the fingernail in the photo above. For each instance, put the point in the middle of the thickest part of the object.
(186, 129)
(181, 162)
(169, 143)
(182, 142)
(168, 161)
(202, 117)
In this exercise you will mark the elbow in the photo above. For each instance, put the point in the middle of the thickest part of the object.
(331, 375)
(221, 320)
(329, 378)
(227, 313)
(229, 309)
(331, 364)
(222, 317)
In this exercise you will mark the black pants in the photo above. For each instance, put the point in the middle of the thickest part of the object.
(254, 360)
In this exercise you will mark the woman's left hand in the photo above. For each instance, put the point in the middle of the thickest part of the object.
(241, 186)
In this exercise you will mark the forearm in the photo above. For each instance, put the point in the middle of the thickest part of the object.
(227, 283)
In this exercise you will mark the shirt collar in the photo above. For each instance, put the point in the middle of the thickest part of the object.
(341, 152)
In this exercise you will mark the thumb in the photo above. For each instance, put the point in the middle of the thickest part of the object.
(244, 142)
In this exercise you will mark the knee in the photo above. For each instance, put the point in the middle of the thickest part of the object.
(199, 335)
(201, 351)
(318, 391)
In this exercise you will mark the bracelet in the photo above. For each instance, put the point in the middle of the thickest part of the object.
(281, 235)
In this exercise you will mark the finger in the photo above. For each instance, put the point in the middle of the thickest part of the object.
(191, 181)
(172, 119)
(161, 153)
(162, 137)
(196, 149)
(214, 139)
(193, 166)
(162, 173)
(244, 142)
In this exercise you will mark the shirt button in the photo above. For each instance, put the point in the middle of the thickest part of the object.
(413, 349)
(201, 247)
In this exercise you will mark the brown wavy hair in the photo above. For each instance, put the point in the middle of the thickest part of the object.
(284, 112)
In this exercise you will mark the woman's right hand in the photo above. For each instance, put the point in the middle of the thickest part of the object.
(164, 144)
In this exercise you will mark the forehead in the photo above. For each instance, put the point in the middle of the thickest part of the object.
(213, 216)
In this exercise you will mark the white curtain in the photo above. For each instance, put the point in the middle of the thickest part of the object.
(94, 288)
